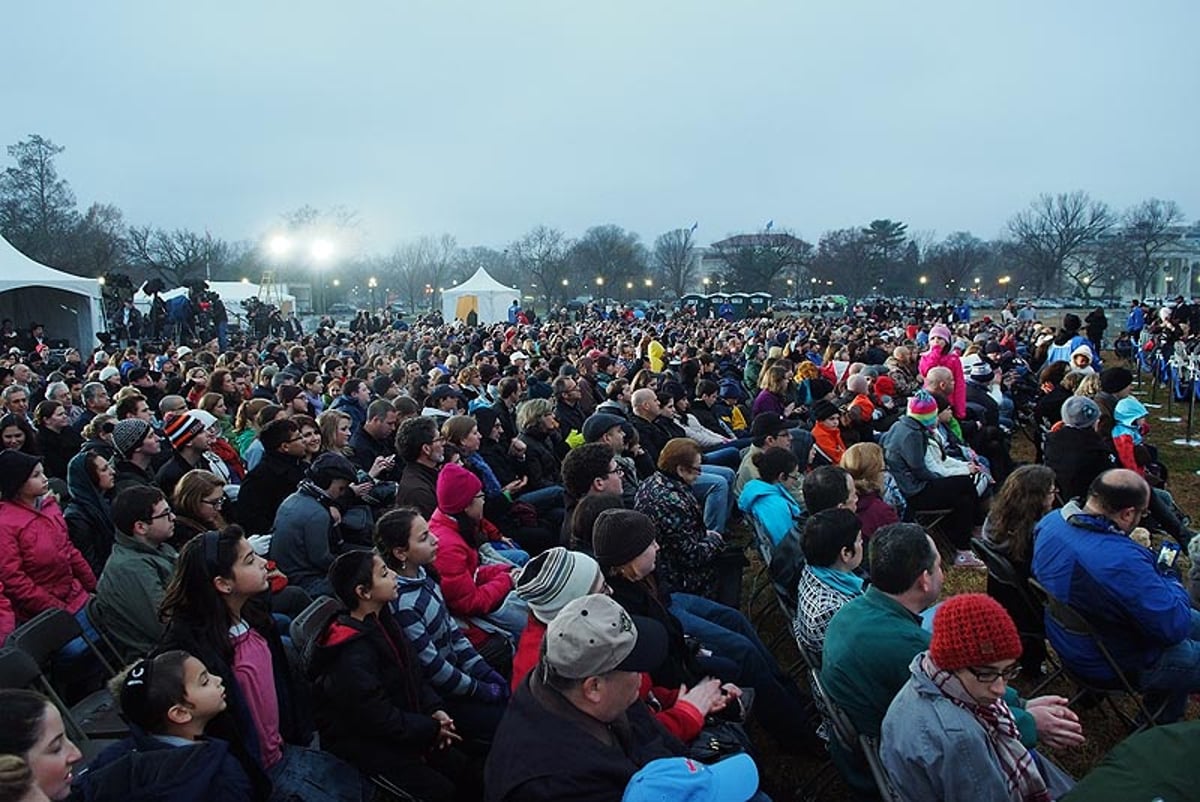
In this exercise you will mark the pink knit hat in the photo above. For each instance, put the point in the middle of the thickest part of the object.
(941, 330)
(456, 488)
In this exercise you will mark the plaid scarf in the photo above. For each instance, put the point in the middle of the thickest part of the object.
(1022, 778)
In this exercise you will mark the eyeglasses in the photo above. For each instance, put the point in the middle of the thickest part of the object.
(696, 469)
(990, 675)
(295, 439)
(170, 513)
(215, 503)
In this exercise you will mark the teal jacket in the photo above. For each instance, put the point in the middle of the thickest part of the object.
(772, 505)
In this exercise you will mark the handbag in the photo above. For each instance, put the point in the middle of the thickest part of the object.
(724, 733)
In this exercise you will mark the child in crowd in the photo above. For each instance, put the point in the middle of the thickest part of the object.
(373, 706)
(170, 700)
(216, 608)
(473, 691)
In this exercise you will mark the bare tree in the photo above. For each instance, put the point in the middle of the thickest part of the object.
(1054, 229)
(955, 259)
(37, 208)
(177, 257)
(754, 261)
(542, 255)
(840, 263)
(98, 244)
(611, 254)
(675, 259)
(1146, 230)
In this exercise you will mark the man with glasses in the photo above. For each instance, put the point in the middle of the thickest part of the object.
(134, 579)
(907, 578)
(423, 450)
(1133, 596)
(274, 478)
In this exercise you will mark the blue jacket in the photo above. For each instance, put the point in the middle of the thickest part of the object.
(1085, 561)
(1136, 320)
(772, 505)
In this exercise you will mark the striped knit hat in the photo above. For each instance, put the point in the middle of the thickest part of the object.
(555, 577)
(922, 407)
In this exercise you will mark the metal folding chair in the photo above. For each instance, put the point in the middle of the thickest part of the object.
(1076, 623)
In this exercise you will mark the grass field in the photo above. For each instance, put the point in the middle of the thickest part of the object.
(783, 774)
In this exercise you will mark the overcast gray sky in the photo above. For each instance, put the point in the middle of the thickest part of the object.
(485, 119)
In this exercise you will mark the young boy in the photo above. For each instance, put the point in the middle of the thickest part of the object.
(169, 700)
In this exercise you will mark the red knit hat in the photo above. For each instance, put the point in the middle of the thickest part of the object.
(456, 488)
(972, 629)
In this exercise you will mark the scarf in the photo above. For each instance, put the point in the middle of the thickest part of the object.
(1021, 773)
(830, 442)
(843, 582)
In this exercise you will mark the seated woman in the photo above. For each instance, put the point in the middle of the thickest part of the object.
(373, 707)
(627, 552)
(1027, 495)
(90, 479)
(912, 452)
(691, 553)
(833, 551)
(40, 568)
(57, 441)
(949, 734)
(473, 692)
(31, 729)
(481, 595)
(771, 498)
(865, 464)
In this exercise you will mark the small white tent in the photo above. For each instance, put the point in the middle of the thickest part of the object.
(69, 306)
(481, 293)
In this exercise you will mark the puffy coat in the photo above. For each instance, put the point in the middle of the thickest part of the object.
(772, 505)
(371, 702)
(39, 566)
(470, 589)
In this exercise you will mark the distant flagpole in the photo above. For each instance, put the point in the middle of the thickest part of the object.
(770, 225)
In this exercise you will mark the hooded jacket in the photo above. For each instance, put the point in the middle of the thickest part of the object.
(89, 523)
(470, 589)
(772, 505)
(130, 591)
(304, 540)
(935, 358)
(370, 700)
(272, 480)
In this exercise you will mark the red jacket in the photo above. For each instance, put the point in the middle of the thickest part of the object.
(39, 566)
(469, 588)
(8, 619)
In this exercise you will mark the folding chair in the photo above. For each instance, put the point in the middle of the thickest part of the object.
(1075, 623)
(312, 621)
(1000, 569)
(931, 522)
(41, 638)
(855, 743)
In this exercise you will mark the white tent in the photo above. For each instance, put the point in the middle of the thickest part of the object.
(481, 293)
(232, 294)
(68, 306)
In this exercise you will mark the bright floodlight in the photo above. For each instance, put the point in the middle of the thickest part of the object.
(321, 249)
(279, 245)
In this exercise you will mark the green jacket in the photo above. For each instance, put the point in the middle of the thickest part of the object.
(869, 646)
(129, 592)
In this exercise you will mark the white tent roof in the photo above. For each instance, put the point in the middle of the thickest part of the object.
(490, 298)
(71, 309)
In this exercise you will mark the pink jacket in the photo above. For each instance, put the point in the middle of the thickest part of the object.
(934, 358)
(469, 589)
(39, 566)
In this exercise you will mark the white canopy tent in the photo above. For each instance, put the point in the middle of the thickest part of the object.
(232, 294)
(481, 293)
(69, 306)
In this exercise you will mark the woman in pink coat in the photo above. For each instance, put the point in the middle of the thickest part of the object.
(40, 568)
(941, 355)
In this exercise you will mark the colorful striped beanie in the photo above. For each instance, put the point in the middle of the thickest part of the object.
(923, 408)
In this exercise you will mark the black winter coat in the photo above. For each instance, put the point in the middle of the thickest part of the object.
(1078, 456)
(273, 479)
(543, 464)
(372, 703)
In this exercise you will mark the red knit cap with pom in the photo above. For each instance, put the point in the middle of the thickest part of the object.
(972, 629)
(456, 487)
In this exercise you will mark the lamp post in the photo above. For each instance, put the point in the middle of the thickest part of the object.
(372, 283)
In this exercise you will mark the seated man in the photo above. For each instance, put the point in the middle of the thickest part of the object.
(906, 572)
(575, 728)
(950, 733)
(1084, 557)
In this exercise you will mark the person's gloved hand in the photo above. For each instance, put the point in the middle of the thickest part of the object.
(496, 678)
(491, 693)
(260, 543)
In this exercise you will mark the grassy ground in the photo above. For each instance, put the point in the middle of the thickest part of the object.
(783, 775)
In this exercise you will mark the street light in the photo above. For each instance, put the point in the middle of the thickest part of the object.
(279, 245)
(923, 280)
(649, 282)
(372, 283)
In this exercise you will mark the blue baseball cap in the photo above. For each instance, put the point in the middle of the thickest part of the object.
(681, 779)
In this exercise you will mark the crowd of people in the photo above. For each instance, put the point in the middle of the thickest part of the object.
(505, 561)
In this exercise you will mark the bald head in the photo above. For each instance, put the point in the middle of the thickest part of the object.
(939, 380)
(644, 403)
(901, 354)
(1119, 495)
